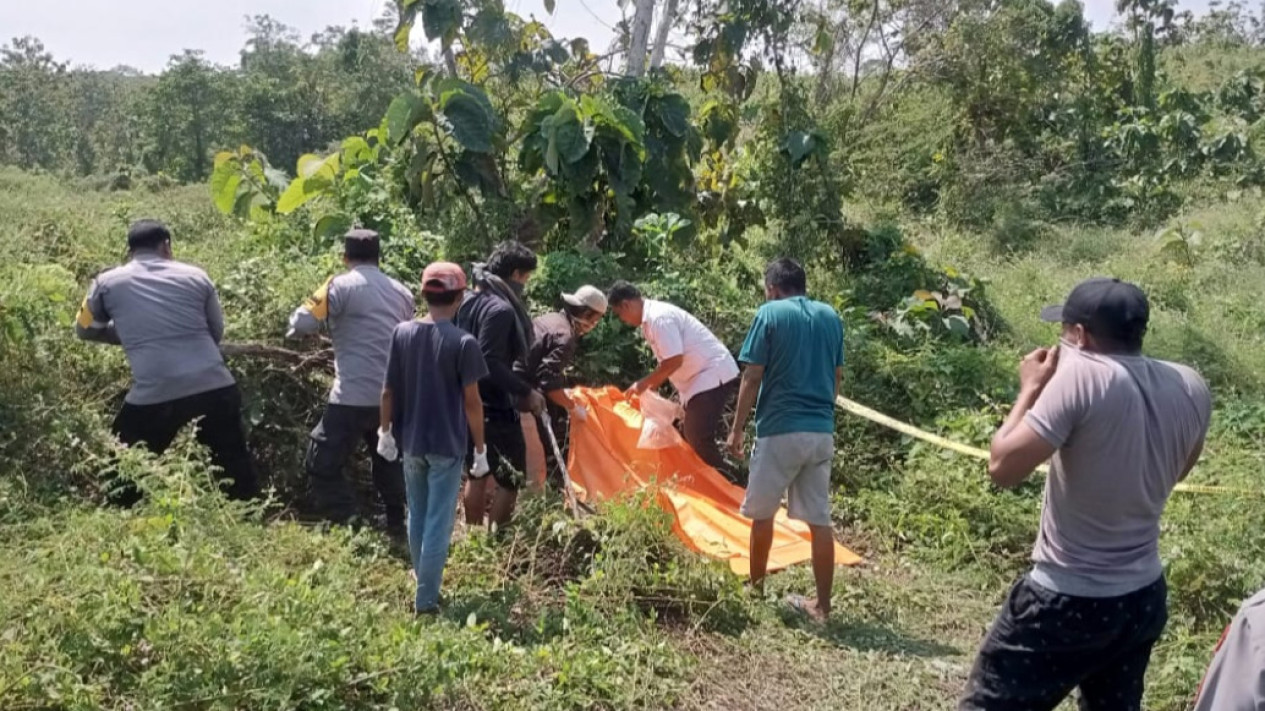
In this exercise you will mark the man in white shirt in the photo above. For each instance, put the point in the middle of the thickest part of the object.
(700, 367)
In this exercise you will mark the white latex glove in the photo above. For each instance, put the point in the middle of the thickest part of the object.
(387, 448)
(580, 413)
(480, 468)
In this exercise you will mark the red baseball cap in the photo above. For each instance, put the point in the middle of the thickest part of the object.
(443, 276)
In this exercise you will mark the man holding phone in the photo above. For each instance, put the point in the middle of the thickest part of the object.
(1123, 430)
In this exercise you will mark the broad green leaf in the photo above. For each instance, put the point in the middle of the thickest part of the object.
(242, 206)
(404, 28)
(799, 145)
(448, 87)
(441, 19)
(478, 170)
(673, 111)
(332, 225)
(958, 326)
(309, 164)
(406, 111)
(720, 122)
(824, 42)
(224, 182)
(567, 134)
(356, 150)
(294, 197)
(468, 121)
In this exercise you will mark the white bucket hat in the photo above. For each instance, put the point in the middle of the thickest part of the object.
(589, 296)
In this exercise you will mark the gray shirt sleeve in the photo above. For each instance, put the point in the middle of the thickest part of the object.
(214, 313)
(1236, 679)
(1062, 404)
(307, 319)
(93, 322)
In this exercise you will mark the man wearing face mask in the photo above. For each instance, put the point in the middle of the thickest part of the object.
(495, 313)
(556, 338)
(1123, 430)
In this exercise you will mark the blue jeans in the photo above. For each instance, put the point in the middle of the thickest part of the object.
(432, 485)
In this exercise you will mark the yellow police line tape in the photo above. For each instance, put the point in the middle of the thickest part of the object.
(860, 410)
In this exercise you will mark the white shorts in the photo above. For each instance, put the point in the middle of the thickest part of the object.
(795, 465)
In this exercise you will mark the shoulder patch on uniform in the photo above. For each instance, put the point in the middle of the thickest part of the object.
(318, 302)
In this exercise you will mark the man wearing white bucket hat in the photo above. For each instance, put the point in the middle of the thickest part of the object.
(556, 338)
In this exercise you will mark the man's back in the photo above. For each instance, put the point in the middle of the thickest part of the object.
(169, 322)
(492, 321)
(1125, 428)
(365, 306)
(670, 331)
(800, 344)
(430, 365)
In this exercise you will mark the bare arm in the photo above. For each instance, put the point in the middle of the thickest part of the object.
(1017, 450)
(559, 398)
(474, 414)
(386, 409)
(748, 390)
(838, 380)
(660, 374)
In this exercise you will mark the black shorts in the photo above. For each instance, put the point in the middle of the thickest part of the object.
(507, 451)
(1043, 645)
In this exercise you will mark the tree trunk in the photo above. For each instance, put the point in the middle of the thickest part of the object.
(450, 62)
(661, 34)
(637, 44)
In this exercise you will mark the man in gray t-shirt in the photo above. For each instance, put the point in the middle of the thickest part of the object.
(166, 315)
(1121, 431)
(360, 308)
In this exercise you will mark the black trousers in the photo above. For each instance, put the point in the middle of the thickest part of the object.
(704, 419)
(341, 430)
(1043, 645)
(219, 429)
(507, 449)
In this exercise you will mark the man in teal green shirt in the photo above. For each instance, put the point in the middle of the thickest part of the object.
(794, 360)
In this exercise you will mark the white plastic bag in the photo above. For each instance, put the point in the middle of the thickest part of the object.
(658, 418)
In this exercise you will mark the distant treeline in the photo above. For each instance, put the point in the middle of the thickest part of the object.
(285, 96)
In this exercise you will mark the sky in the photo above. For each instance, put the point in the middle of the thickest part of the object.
(144, 33)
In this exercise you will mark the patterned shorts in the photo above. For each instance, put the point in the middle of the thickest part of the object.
(1043, 645)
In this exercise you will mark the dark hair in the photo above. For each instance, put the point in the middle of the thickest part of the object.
(509, 257)
(787, 276)
(622, 291)
(1129, 343)
(441, 298)
(362, 249)
(147, 234)
(580, 312)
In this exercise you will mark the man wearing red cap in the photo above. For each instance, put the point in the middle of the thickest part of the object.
(1122, 429)
(431, 406)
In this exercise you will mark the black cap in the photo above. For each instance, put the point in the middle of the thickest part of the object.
(147, 234)
(1105, 307)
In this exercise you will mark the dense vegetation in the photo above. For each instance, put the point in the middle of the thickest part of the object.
(943, 168)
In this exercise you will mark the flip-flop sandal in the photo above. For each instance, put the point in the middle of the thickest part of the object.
(801, 605)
